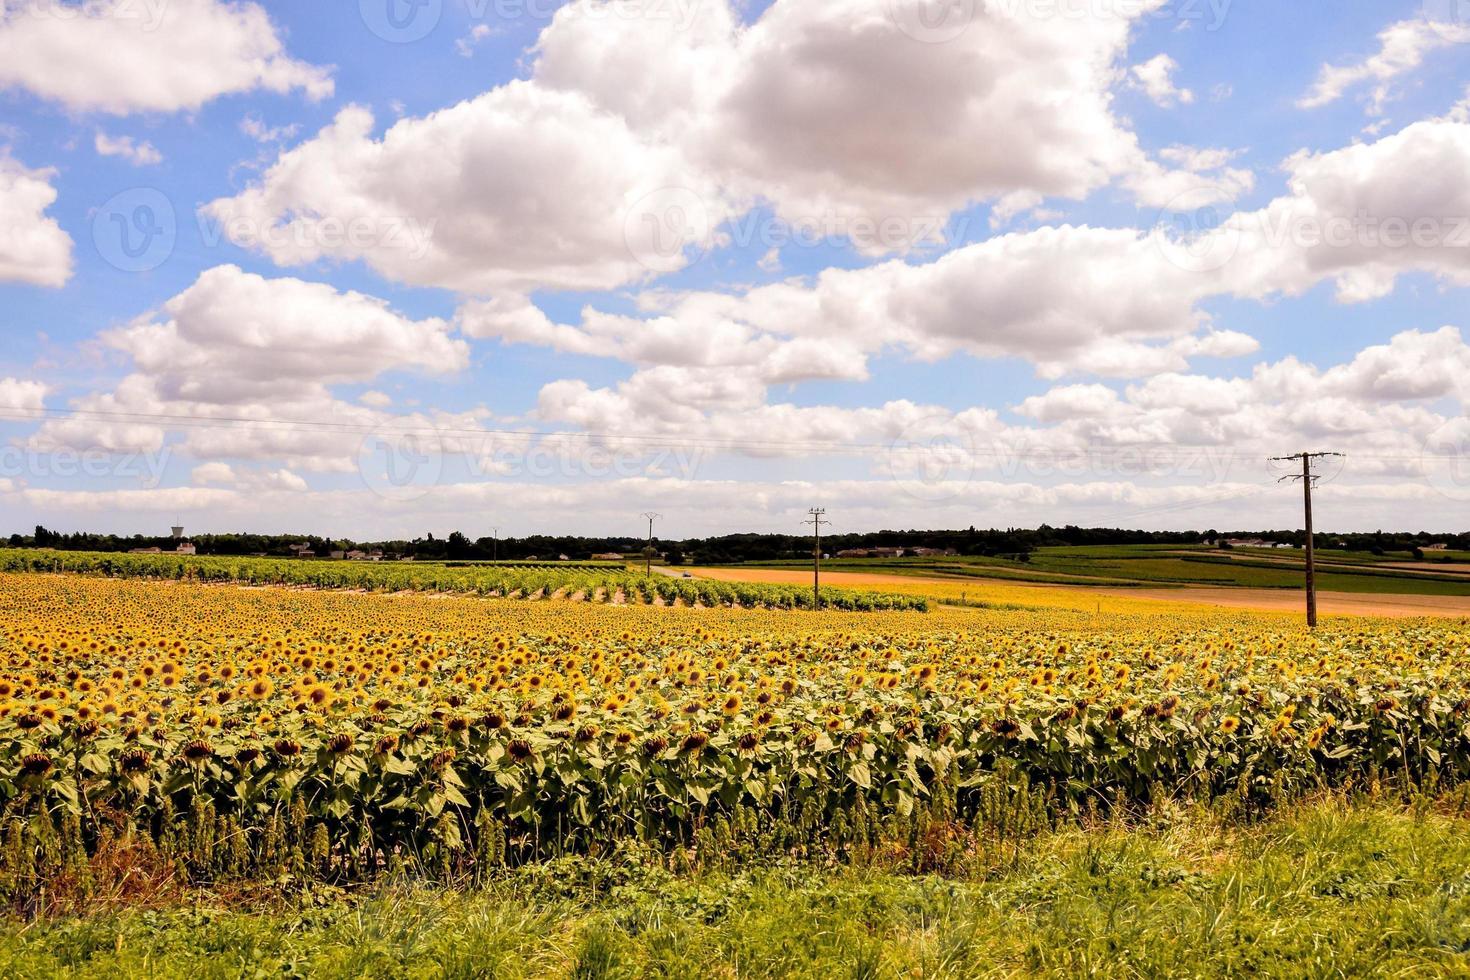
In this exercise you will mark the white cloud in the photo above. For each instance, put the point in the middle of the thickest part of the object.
(638, 133)
(1156, 77)
(245, 358)
(1203, 177)
(27, 396)
(1046, 295)
(258, 480)
(1402, 48)
(518, 188)
(1360, 217)
(1171, 451)
(235, 336)
(713, 506)
(139, 154)
(375, 399)
(33, 248)
(123, 56)
(467, 44)
(1070, 402)
(256, 128)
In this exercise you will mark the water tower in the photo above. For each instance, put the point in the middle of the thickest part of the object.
(178, 532)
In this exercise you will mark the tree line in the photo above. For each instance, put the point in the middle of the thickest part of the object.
(729, 548)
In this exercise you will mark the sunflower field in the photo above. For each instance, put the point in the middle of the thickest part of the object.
(290, 734)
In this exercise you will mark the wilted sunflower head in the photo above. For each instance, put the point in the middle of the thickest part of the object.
(198, 750)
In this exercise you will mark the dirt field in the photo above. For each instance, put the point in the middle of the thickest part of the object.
(1269, 600)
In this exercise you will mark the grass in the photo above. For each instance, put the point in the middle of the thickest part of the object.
(1173, 566)
(1321, 889)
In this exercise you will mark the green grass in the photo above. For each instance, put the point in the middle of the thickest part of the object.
(1172, 566)
(1326, 889)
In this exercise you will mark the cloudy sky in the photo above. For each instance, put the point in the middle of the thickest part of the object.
(384, 267)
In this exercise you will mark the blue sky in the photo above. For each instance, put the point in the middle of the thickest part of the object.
(1033, 305)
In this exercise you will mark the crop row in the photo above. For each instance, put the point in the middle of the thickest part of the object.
(589, 584)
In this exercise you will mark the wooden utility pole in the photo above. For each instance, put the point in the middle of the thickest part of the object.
(816, 520)
(1307, 478)
(495, 547)
(648, 551)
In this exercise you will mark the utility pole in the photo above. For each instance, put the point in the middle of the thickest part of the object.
(816, 520)
(648, 551)
(495, 546)
(1307, 479)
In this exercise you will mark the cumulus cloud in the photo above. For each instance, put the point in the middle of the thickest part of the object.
(1359, 217)
(1070, 402)
(1402, 48)
(1162, 452)
(1048, 296)
(235, 336)
(27, 396)
(159, 56)
(139, 154)
(33, 248)
(637, 136)
(244, 365)
(518, 188)
(254, 479)
(1156, 77)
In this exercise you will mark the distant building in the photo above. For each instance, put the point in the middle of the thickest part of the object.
(146, 551)
(1437, 546)
(356, 555)
(871, 553)
(608, 556)
(186, 548)
(931, 552)
(337, 555)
